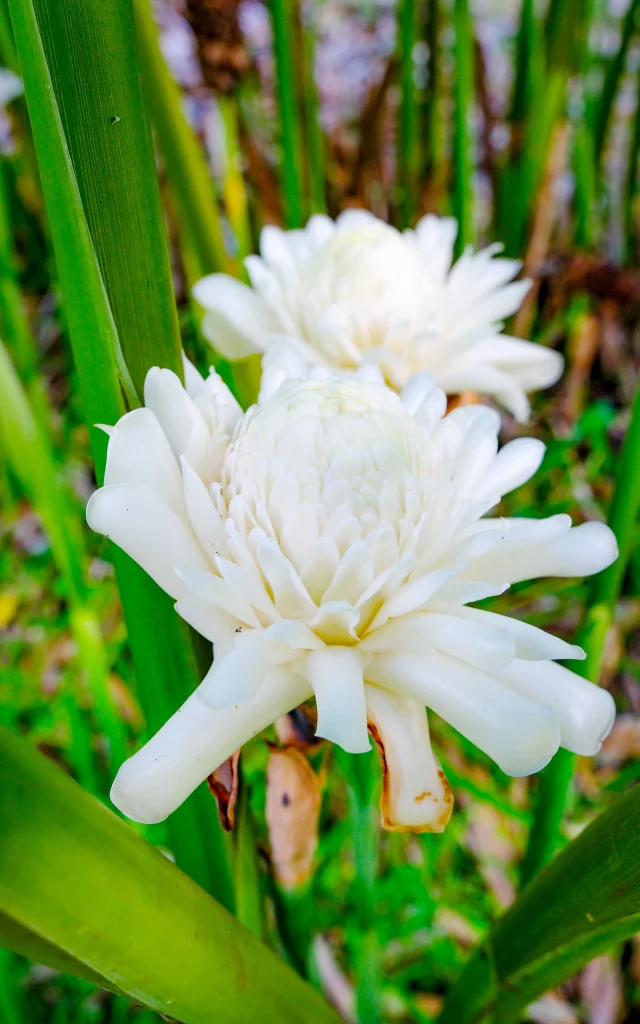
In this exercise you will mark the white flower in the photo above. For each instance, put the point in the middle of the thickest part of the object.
(329, 544)
(358, 291)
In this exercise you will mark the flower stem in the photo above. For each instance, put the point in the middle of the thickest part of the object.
(464, 142)
(408, 143)
(248, 896)
(290, 135)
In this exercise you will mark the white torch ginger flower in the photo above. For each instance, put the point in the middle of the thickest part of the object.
(358, 291)
(329, 544)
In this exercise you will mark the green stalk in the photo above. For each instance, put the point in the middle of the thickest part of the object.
(464, 135)
(12, 1009)
(434, 133)
(234, 191)
(605, 589)
(314, 137)
(361, 774)
(613, 75)
(408, 142)
(586, 186)
(248, 896)
(121, 192)
(182, 154)
(631, 188)
(290, 123)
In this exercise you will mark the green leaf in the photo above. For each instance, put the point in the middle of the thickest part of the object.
(582, 904)
(79, 879)
(92, 49)
(282, 20)
(464, 140)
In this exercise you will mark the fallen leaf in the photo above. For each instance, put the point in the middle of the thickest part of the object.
(223, 783)
(293, 810)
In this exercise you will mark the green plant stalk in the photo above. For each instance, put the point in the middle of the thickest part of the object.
(12, 1009)
(408, 141)
(182, 154)
(93, 61)
(433, 129)
(248, 895)
(234, 191)
(604, 592)
(613, 75)
(631, 187)
(290, 123)
(527, 64)
(314, 136)
(464, 135)
(555, 927)
(586, 186)
(164, 655)
(361, 773)
(119, 908)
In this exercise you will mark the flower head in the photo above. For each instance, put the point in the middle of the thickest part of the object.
(329, 543)
(357, 291)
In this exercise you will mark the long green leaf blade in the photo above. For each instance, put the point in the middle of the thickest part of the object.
(151, 932)
(583, 903)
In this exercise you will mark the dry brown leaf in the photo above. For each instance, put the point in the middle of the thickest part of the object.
(223, 783)
(297, 729)
(293, 808)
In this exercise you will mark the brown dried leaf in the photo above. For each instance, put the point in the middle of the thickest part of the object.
(223, 783)
(222, 53)
(294, 794)
(297, 729)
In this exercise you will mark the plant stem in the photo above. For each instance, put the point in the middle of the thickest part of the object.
(315, 143)
(464, 132)
(631, 189)
(248, 896)
(408, 143)
(183, 156)
(613, 75)
(290, 134)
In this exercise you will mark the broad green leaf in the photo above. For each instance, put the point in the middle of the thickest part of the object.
(582, 904)
(95, 94)
(78, 878)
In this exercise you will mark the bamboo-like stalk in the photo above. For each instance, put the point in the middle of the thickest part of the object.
(408, 139)
(631, 185)
(126, 217)
(434, 134)
(234, 191)
(584, 163)
(314, 136)
(605, 590)
(182, 154)
(248, 896)
(614, 72)
(464, 133)
(289, 113)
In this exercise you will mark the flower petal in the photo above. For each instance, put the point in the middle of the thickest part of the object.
(237, 320)
(416, 796)
(484, 645)
(521, 735)
(194, 742)
(585, 712)
(139, 454)
(531, 643)
(335, 674)
(140, 523)
(213, 590)
(236, 677)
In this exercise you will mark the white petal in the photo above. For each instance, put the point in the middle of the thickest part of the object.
(289, 594)
(531, 548)
(424, 400)
(416, 795)
(353, 575)
(175, 411)
(531, 643)
(464, 374)
(521, 735)
(412, 596)
(206, 521)
(213, 590)
(196, 741)
(237, 321)
(487, 647)
(236, 677)
(335, 674)
(152, 534)
(335, 622)
(585, 712)
(139, 454)
(212, 623)
(533, 366)
(513, 465)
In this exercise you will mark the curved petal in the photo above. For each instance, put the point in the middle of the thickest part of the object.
(212, 623)
(236, 677)
(149, 531)
(416, 796)
(585, 712)
(485, 645)
(533, 366)
(237, 320)
(465, 374)
(177, 414)
(193, 743)
(139, 454)
(531, 643)
(521, 735)
(513, 465)
(335, 674)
